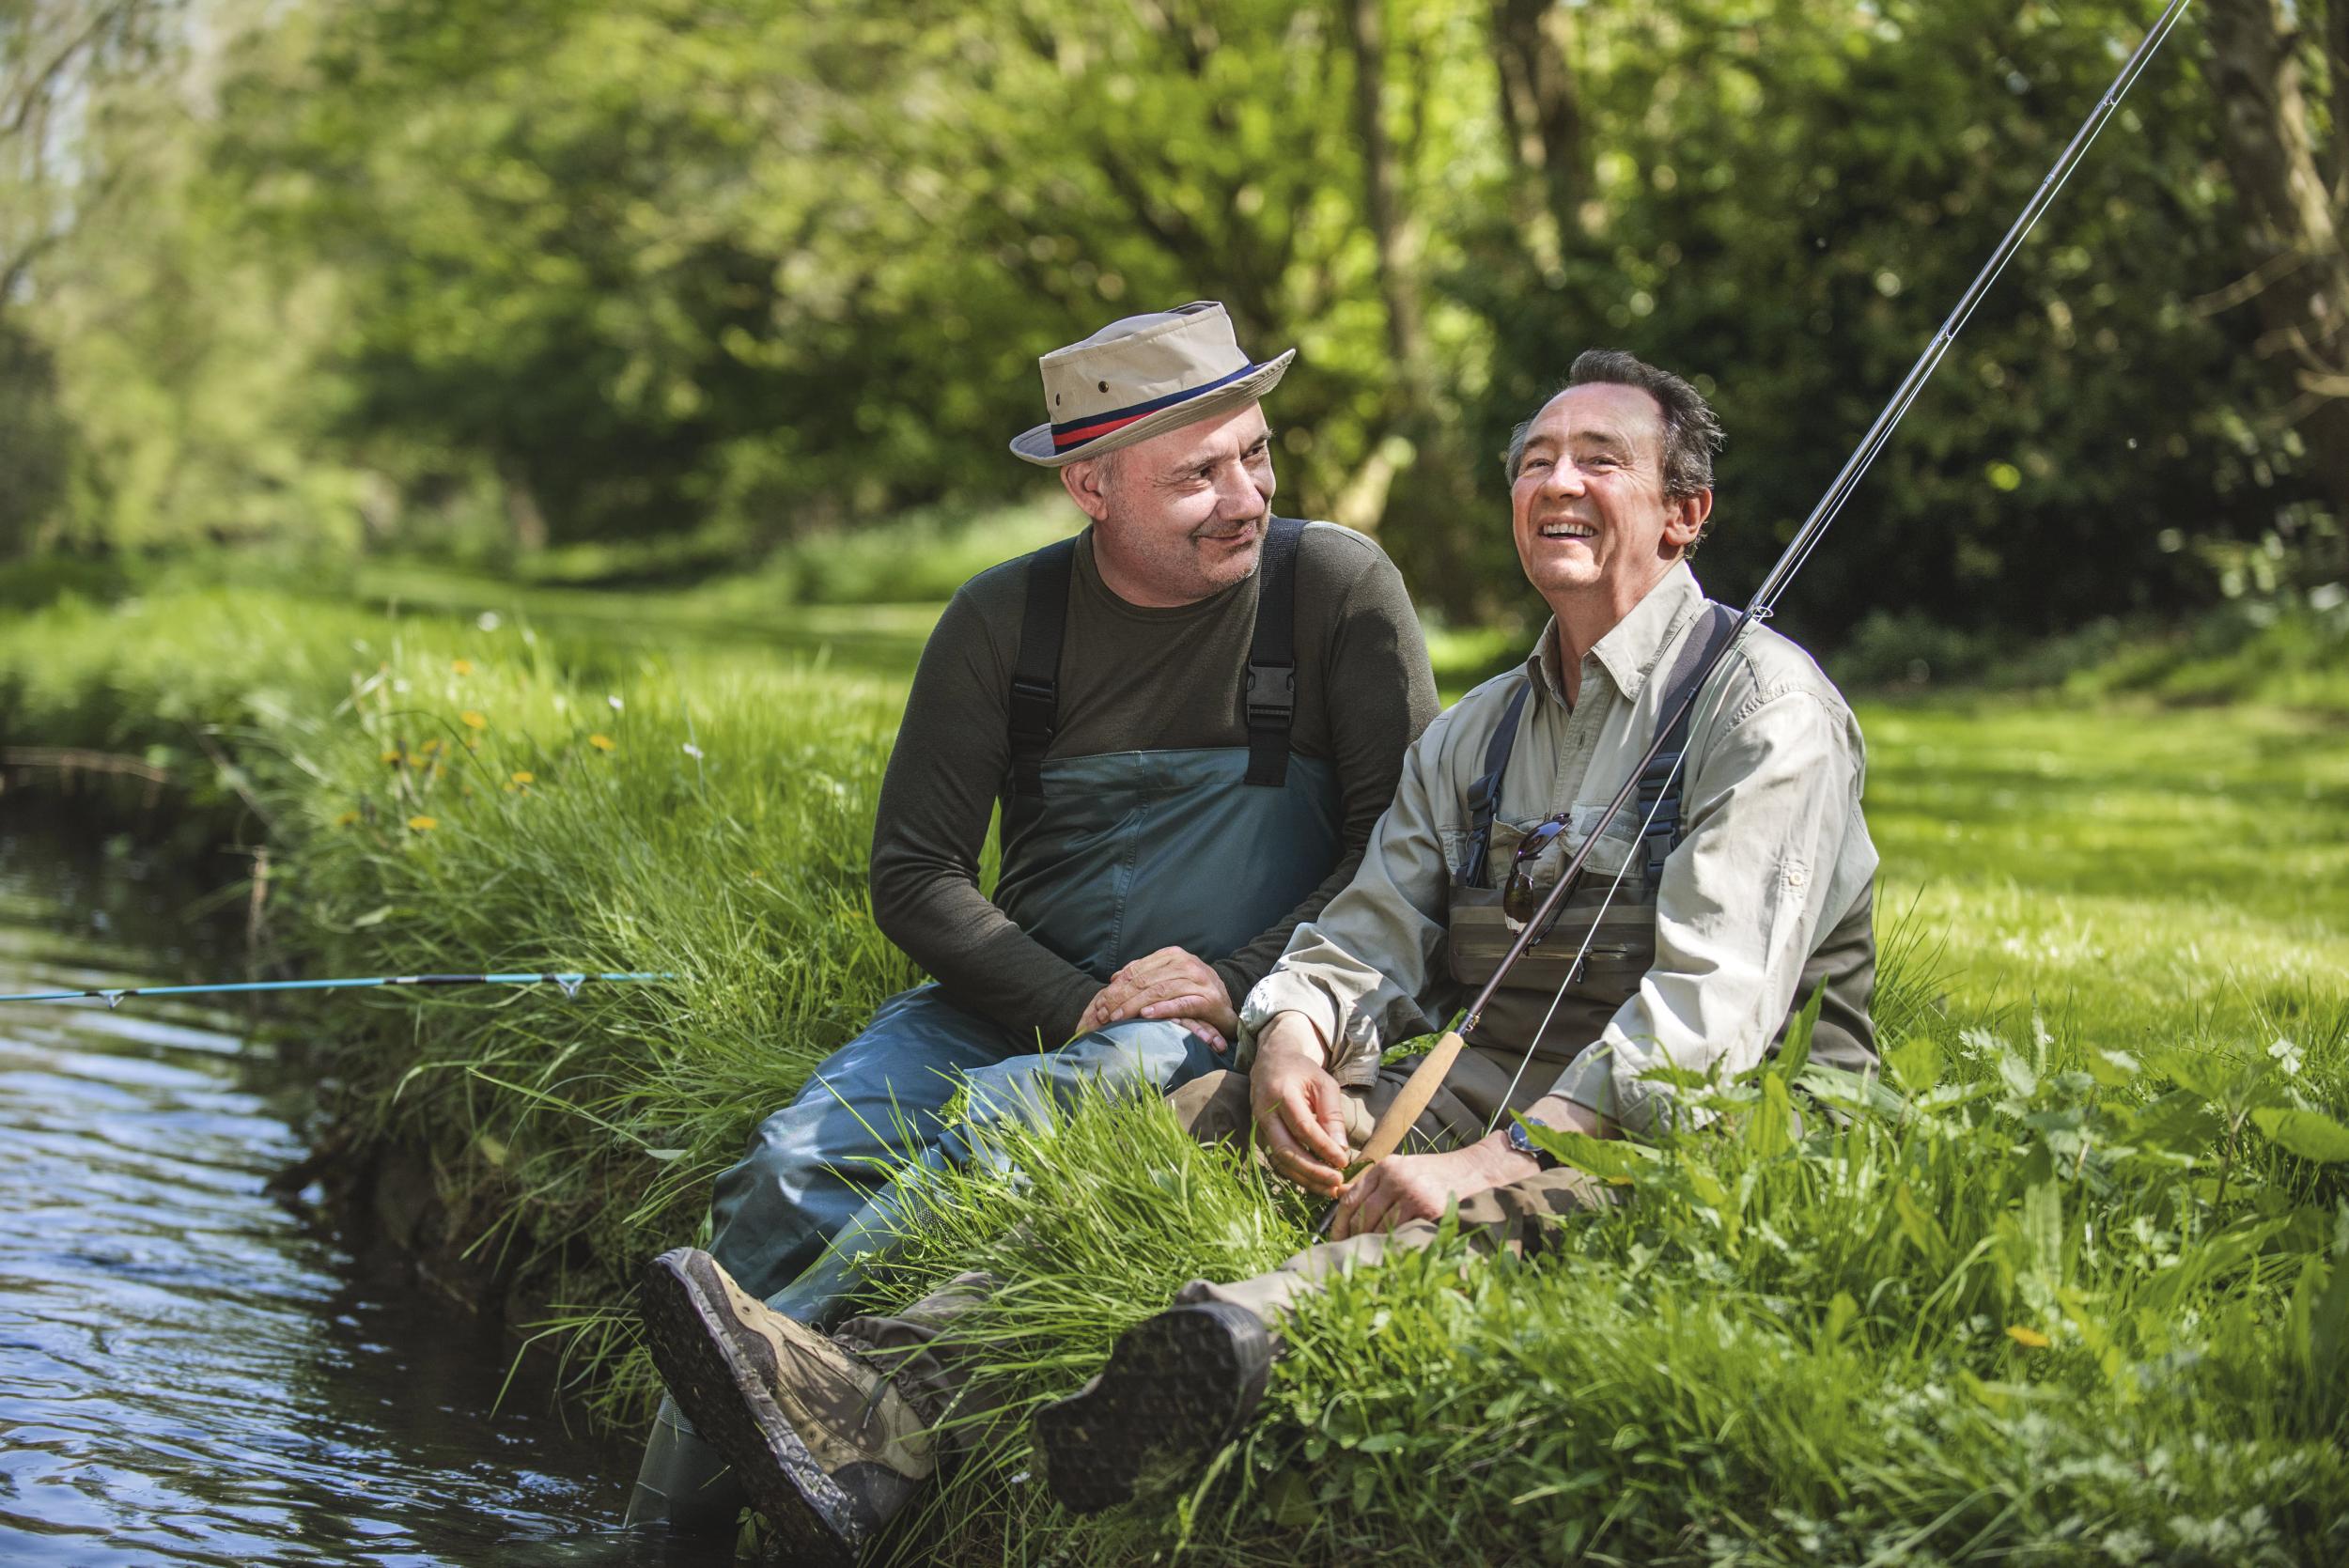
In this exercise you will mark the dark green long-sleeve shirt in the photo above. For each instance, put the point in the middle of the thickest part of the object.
(1131, 679)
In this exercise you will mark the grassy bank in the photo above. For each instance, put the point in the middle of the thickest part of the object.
(2084, 1297)
(437, 795)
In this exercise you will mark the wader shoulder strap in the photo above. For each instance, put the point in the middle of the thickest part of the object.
(1036, 678)
(1661, 783)
(1484, 794)
(1271, 690)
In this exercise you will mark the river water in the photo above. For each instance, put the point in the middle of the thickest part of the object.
(190, 1371)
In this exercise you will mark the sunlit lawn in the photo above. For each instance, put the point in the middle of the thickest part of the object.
(2132, 872)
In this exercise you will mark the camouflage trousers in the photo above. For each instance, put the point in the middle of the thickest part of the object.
(930, 1365)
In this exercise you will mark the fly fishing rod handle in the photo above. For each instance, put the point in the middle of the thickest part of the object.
(1419, 1091)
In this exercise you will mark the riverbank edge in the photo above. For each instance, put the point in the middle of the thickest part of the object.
(380, 1197)
(440, 797)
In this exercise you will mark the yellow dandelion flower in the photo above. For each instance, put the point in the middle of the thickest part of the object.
(347, 819)
(2030, 1339)
(460, 666)
(430, 746)
(472, 720)
(524, 775)
(600, 742)
(392, 757)
(423, 824)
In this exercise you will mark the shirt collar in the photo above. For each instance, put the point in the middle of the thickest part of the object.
(1632, 647)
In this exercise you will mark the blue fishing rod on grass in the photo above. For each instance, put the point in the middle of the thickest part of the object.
(569, 981)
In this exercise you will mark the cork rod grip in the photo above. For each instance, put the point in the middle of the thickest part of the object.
(1418, 1091)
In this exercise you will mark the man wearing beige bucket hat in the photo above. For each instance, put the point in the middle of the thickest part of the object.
(1189, 717)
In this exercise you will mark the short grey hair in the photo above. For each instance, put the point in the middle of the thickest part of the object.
(1692, 431)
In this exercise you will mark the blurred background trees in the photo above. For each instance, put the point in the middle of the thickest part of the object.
(446, 277)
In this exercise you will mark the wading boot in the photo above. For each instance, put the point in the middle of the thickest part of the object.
(820, 1438)
(1178, 1386)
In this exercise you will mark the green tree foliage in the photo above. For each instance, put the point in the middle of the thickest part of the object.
(1788, 201)
(723, 265)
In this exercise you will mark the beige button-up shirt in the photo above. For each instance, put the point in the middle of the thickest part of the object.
(1775, 852)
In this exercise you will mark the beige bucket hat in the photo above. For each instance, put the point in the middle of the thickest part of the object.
(1140, 376)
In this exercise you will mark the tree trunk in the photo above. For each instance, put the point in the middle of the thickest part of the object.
(1398, 265)
(1542, 119)
(522, 513)
(2292, 230)
(2337, 78)
(1431, 488)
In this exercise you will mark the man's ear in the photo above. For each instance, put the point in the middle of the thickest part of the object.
(1083, 481)
(1686, 520)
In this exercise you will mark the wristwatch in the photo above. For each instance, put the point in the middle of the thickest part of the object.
(1522, 1143)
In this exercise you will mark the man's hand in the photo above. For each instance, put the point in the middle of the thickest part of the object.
(1402, 1187)
(1298, 1107)
(1169, 984)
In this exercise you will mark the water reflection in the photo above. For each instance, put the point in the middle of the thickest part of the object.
(190, 1373)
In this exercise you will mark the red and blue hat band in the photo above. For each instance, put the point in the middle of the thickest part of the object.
(1094, 425)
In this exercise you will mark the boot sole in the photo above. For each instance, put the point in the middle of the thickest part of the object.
(1178, 1388)
(727, 1396)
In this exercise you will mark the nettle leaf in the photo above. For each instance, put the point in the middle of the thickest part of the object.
(2178, 1123)
(2018, 1074)
(1841, 1089)
(2114, 1069)
(2200, 1071)
(1609, 1158)
(2309, 1134)
(1916, 1063)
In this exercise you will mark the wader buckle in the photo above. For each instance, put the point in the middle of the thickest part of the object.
(1271, 695)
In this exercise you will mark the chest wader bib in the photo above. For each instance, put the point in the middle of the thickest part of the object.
(1108, 857)
(1622, 950)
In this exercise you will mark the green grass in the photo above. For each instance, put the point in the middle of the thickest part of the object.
(1783, 1351)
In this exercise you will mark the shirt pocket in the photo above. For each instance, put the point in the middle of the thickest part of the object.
(1611, 854)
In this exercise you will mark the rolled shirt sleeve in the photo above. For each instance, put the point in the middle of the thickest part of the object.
(1775, 842)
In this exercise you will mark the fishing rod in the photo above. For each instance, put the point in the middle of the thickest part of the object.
(113, 996)
(1420, 1089)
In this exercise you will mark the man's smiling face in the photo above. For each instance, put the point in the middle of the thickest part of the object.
(1183, 515)
(1591, 522)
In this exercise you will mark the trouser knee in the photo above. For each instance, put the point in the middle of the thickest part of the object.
(1214, 1108)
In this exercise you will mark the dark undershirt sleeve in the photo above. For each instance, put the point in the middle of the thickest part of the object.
(953, 751)
(1380, 693)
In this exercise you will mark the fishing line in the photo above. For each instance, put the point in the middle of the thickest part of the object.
(1558, 996)
(569, 980)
